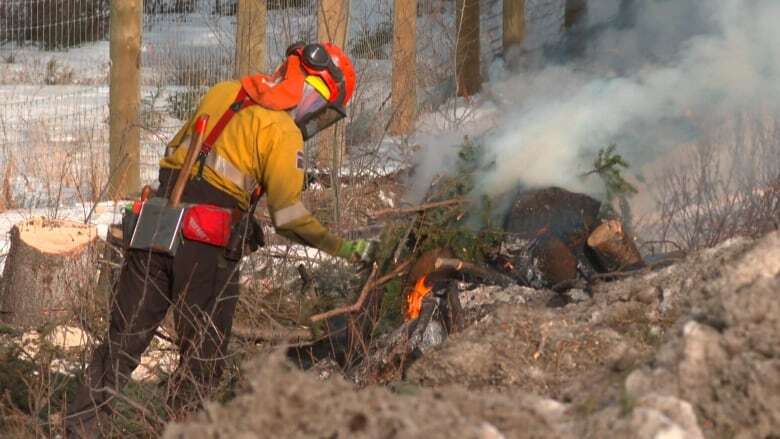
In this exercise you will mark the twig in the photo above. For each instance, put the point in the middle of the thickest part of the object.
(367, 287)
(413, 209)
(104, 190)
(109, 263)
(144, 411)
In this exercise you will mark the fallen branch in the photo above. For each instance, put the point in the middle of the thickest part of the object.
(257, 335)
(572, 283)
(471, 268)
(367, 287)
(414, 209)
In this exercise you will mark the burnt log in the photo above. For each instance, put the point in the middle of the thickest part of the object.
(49, 273)
(614, 248)
(546, 237)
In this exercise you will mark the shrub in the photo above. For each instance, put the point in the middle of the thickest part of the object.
(57, 73)
(54, 24)
(182, 103)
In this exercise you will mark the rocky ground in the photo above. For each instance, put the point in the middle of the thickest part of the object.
(687, 351)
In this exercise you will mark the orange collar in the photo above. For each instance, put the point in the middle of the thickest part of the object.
(274, 93)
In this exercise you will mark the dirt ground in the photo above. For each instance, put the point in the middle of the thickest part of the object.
(687, 351)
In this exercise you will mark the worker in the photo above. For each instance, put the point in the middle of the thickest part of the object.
(257, 128)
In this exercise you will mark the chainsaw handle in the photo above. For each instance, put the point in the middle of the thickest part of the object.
(196, 144)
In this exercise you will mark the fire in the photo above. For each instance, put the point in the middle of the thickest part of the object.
(415, 297)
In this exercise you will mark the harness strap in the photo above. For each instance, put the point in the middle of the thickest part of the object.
(221, 165)
(241, 101)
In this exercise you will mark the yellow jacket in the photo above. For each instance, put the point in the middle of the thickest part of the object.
(259, 145)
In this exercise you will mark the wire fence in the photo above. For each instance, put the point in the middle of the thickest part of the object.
(54, 64)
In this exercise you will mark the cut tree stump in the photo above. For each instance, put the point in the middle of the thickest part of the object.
(49, 273)
(614, 248)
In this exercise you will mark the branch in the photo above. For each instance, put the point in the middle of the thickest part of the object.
(614, 275)
(420, 208)
(471, 268)
(257, 335)
(367, 287)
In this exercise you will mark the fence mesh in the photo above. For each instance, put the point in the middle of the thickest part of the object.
(54, 67)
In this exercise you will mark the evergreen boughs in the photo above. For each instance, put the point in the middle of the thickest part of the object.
(608, 165)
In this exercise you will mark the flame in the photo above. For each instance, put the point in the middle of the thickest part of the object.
(415, 297)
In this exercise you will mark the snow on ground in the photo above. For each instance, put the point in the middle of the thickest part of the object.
(87, 64)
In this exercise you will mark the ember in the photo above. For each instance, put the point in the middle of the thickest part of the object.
(415, 297)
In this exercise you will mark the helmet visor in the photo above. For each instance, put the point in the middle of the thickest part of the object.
(313, 114)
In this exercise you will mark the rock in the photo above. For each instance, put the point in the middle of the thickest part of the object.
(488, 431)
(679, 411)
(433, 336)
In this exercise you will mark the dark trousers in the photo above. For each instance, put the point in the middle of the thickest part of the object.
(200, 286)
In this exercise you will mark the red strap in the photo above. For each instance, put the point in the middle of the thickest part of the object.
(240, 102)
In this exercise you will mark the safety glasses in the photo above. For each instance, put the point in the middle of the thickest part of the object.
(317, 61)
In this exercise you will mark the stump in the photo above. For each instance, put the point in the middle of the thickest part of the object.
(615, 249)
(50, 269)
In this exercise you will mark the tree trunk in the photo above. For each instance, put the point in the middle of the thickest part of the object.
(404, 67)
(250, 37)
(513, 24)
(467, 65)
(124, 98)
(574, 13)
(332, 23)
(49, 272)
(574, 17)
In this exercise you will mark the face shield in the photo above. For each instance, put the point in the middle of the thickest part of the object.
(314, 113)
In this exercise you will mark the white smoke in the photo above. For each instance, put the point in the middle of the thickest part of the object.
(641, 87)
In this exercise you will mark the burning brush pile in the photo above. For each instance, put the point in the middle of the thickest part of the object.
(439, 256)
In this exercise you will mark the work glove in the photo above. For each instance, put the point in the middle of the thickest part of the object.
(358, 251)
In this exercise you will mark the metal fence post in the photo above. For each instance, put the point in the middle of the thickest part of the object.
(124, 98)
(404, 80)
(250, 37)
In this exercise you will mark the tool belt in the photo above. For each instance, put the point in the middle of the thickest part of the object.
(208, 224)
(236, 231)
(159, 227)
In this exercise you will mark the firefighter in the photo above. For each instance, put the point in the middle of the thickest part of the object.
(256, 128)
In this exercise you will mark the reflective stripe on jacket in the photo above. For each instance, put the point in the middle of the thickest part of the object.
(256, 145)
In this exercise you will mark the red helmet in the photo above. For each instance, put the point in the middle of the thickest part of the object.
(329, 63)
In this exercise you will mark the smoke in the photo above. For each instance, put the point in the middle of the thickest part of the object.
(647, 80)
